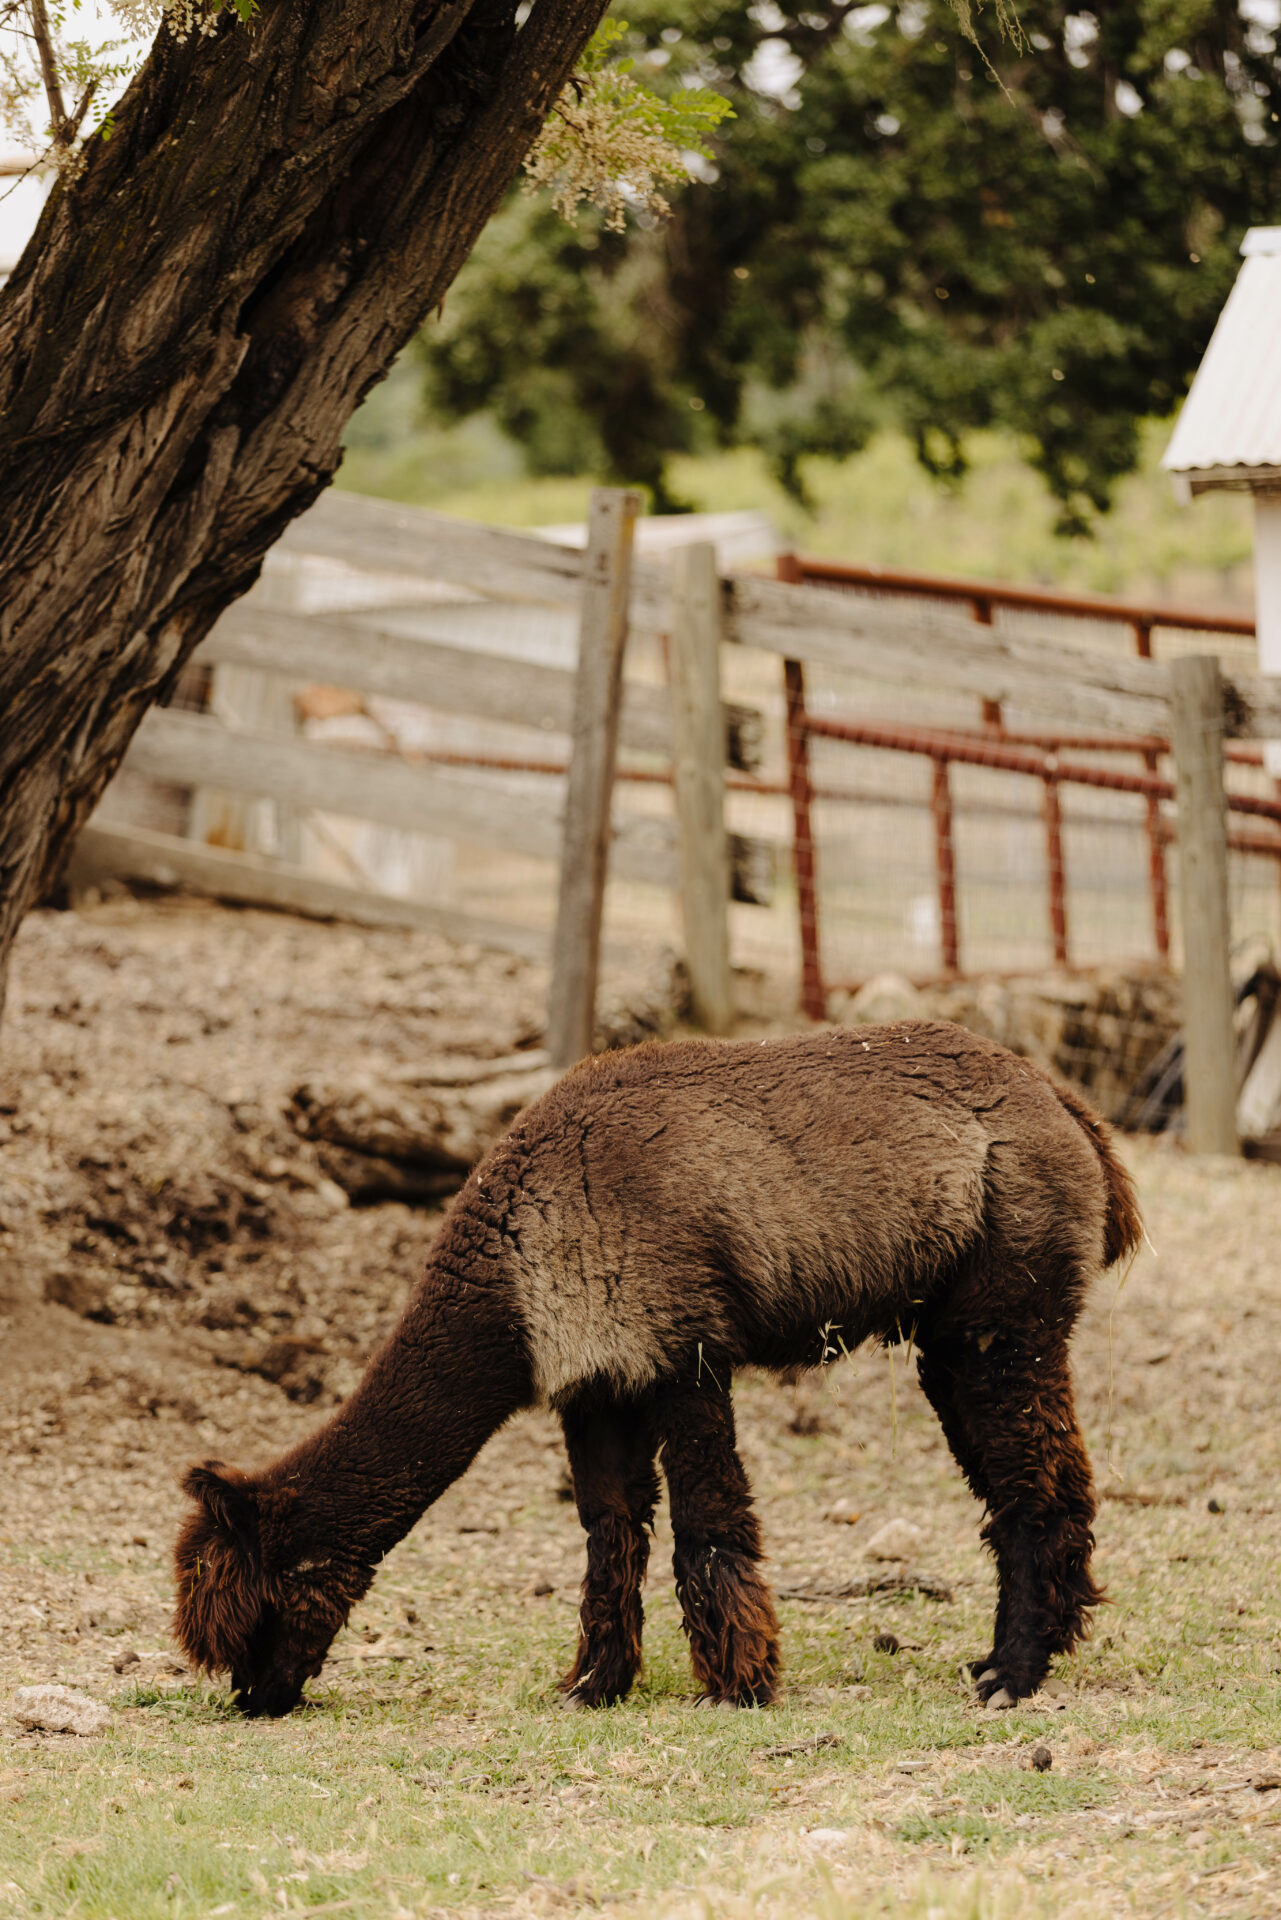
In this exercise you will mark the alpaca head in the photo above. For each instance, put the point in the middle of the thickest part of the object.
(258, 1596)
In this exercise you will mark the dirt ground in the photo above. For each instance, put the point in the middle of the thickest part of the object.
(179, 1279)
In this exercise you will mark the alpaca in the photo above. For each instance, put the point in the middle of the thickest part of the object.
(657, 1219)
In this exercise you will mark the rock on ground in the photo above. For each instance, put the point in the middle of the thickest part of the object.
(896, 1540)
(59, 1710)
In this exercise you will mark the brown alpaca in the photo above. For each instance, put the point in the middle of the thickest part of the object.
(656, 1220)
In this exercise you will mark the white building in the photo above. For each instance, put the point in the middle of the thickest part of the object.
(1229, 433)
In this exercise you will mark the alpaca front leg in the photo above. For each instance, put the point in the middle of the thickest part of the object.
(727, 1607)
(611, 1459)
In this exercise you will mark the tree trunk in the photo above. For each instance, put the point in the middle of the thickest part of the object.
(197, 316)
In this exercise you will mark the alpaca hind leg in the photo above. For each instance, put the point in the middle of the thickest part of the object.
(727, 1608)
(611, 1458)
(1013, 1403)
(938, 1369)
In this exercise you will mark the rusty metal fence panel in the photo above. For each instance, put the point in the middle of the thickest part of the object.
(937, 836)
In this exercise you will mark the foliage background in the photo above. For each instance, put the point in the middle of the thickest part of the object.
(1029, 231)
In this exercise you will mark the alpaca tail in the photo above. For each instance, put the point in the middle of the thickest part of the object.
(1123, 1226)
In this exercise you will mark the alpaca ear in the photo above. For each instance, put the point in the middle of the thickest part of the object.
(228, 1497)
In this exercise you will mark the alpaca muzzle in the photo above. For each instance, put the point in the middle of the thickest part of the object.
(266, 1699)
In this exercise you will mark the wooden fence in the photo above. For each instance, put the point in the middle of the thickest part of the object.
(430, 651)
(906, 645)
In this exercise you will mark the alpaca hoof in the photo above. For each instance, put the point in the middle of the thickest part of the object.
(997, 1690)
(580, 1698)
(710, 1700)
(583, 1698)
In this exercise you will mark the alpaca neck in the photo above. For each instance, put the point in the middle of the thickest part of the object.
(450, 1375)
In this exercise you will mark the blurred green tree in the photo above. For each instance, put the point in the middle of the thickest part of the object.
(1030, 229)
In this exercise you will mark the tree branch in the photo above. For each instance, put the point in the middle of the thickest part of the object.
(73, 125)
(49, 74)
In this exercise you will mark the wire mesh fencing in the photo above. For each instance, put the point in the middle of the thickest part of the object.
(947, 837)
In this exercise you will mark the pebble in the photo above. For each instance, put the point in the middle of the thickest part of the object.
(59, 1710)
(104, 1618)
(85, 1294)
(154, 1663)
(1052, 1697)
(896, 1540)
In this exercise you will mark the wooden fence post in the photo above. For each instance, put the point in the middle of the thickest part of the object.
(1209, 1049)
(602, 638)
(698, 735)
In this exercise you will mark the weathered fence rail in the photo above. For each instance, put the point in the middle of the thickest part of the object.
(903, 643)
(250, 879)
(520, 813)
(362, 650)
(915, 645)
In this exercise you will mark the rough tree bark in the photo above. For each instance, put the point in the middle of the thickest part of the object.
(196, 318)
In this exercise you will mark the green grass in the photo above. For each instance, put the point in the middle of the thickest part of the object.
(878, 507)
(455, 1780)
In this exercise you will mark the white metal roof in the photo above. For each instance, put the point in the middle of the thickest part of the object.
(1229, 432)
